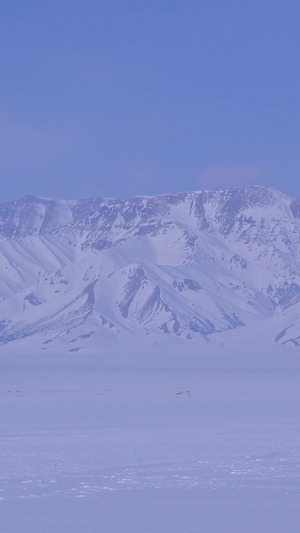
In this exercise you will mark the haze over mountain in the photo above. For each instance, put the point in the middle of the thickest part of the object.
(178, 269)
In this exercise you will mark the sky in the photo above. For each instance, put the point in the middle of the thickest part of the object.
(121, 98)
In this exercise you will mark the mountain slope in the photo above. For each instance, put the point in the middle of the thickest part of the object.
(187, 266)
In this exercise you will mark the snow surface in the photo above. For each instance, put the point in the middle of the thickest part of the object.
(164, 444)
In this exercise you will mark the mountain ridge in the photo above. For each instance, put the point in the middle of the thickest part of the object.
(188, 266)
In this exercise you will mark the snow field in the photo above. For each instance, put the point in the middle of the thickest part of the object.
(109, 445)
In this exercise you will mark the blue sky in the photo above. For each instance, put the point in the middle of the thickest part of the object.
(119, 98)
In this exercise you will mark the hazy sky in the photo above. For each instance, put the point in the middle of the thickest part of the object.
(127, 97)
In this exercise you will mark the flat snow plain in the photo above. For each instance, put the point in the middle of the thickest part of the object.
(107, 444)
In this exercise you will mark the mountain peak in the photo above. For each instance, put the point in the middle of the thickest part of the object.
(191, 265)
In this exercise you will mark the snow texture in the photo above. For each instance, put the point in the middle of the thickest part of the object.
(118, 444)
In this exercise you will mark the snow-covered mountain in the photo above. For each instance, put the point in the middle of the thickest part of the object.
(179, 268)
